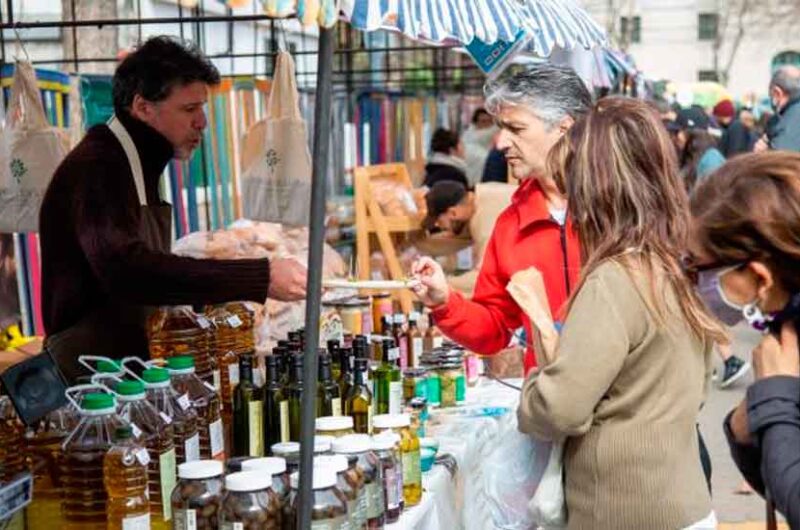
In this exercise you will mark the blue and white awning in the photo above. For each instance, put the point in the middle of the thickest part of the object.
(550, 23)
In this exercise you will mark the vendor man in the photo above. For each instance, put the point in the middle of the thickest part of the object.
(106, 232)
(533, 109)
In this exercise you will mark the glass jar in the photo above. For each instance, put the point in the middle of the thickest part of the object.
(345, 484)
(385, 447)
(290, 452)
(249, 502)
(431, 362)
(365, 305)
(418, 410)
(415, 384)
(197, 498)
(366, 469)
(449, 374)
(350, 313)
(400, 424)
(381, 305)
(335, 426)
(329, 511)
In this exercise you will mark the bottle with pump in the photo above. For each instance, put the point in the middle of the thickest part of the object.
(125, 479)
(388, 381)
(295, 397)
(358, 404)
(329, 401)
(248, 403)
(276, 407)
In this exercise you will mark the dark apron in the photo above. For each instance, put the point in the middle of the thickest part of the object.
(116, 329)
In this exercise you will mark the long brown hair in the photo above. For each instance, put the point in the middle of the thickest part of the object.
(750, 210)
(618, 169)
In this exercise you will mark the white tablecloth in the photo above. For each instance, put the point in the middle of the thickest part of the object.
(444, 497)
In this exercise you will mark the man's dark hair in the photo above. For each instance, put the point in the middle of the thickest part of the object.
(478, 113)
(443, 141)
(156, 67)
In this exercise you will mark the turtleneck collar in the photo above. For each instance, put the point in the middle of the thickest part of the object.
(155, 151)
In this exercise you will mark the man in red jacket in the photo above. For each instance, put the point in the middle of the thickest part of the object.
(533, 110)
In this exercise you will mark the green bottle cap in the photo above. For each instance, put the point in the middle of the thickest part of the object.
(123, 433)
(155, 375)
(97, 401)
(181, 362)
(108, 367)
(129, 388)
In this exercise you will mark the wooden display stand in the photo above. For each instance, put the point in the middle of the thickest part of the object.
(371, 220)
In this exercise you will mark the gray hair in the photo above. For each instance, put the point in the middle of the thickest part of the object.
(550, 91)
(787, 78)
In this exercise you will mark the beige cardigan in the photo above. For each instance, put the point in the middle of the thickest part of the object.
(626, 395)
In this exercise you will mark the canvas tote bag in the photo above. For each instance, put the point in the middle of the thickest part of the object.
(31, 151)
(276, 183)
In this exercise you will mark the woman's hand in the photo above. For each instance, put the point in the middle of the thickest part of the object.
(738, 424)
(431, 287)
(773, 357)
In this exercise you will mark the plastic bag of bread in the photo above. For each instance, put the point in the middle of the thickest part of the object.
(394, 198)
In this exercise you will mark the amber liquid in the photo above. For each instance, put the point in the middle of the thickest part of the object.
(224, 350)
(184, 422)
(207, 405)
(174, 331)
(46, 456)
(12, 442)
(245, 333)
(126, 484)
(84, 495)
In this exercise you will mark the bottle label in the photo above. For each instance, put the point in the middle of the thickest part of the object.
(411, 470)
(203, 321)
(233, 377)
(166, 418)
(137, 432)
(361, 508)
(234, 321)
(417, 346)
(185, 520)
(390, 482)
(403, 351)
(284, 408)
(337, 523)
(167, 468)
(184, 402)
(394, 354)
(374, 500)
(142, 456)
(138, 522)
(217, 380)
(255, 416)
(395, 397)
(336, 406)
(369, 417)
(217, 439)
(192, 448)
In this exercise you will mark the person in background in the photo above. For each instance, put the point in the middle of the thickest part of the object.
(446, 161)
(783, 133)
(697, 147)
(478, 141)
(496, 167)
(633, 361)
(736, 138)
(465, 216)
(745, 254)
(533, 109)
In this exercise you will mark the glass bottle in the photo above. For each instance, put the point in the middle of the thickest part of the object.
(275, 408)
(433, 337)
(329, 402)
(385, 449)
(334, 350)
(401, 339)
(248, 407)
(197, 499)
(295, 398)
(276, 468)
(250, 503)
(400, 424)
(358, 404)
(204, 399)
(345, 380)
(84, 496)
(348, 485)
(176, 331)
(125, 479)
(388, 381)
(159, 391)
(415, 340)
(329, 511)
(155, 433)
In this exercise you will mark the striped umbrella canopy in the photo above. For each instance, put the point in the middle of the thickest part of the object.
(549, 23)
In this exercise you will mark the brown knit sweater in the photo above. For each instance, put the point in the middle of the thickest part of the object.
(626, 394)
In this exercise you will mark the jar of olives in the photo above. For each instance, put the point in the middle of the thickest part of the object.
(385, 447)
(409, 453)
(290, 452)
(449, 374)
(322, 445)
(336, 426)
(364, 469)
(346, 485)
(250, 503)
(329, 511)
(276, 467)
(197, 498)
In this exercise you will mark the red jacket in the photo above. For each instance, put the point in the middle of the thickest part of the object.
(525, 236)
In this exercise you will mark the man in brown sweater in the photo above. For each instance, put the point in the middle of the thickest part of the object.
(106, 232)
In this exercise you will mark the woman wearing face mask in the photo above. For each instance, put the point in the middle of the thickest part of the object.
(746, 254)
(634, 356)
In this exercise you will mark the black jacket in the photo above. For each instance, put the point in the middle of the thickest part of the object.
(736, 139)
(440, 172)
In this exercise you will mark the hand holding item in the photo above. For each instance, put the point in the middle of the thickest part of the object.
(775, 357)
(287, 280)
(430, 282)
(761, 145)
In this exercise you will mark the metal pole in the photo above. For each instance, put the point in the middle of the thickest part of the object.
(74, 37)
(322, 120)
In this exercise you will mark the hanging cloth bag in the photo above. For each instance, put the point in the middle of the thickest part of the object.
(31, 152)
(276, 184)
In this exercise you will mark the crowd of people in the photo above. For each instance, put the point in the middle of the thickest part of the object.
(655, 230)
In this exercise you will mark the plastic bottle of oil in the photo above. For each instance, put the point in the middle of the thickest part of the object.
(125, 479)
(84, 497)
(245, 336)
(179, 408)
(205, 400)
(43, 444)
(225, 328)
(155, 433)
(177, 330)
(12, 441)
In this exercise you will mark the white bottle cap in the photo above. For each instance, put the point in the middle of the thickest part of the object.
(336, 462)
(324, 477)
(248, 481)
(391, 421)
(322, 443)
(286, 448)
(274, 465)
(385, 441)
(200, 469)
(352, 443)
(334, 423)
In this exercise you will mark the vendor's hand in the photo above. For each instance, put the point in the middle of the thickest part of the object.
(431, 284)
(287, 280)
(773, 357)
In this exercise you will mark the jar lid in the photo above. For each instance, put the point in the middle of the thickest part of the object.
(180, 362)
(322, 443)
(248, 481)
(97, 401)
(200, 469)
(391, 421)
(286, 448)
(324, 478)
(334, 423)
(130, 388)
(336, 462)
(274, 465)
(155, 375)
(385, 441)
(352, 443)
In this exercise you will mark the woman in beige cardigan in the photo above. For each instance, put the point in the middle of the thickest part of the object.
(633, 360)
